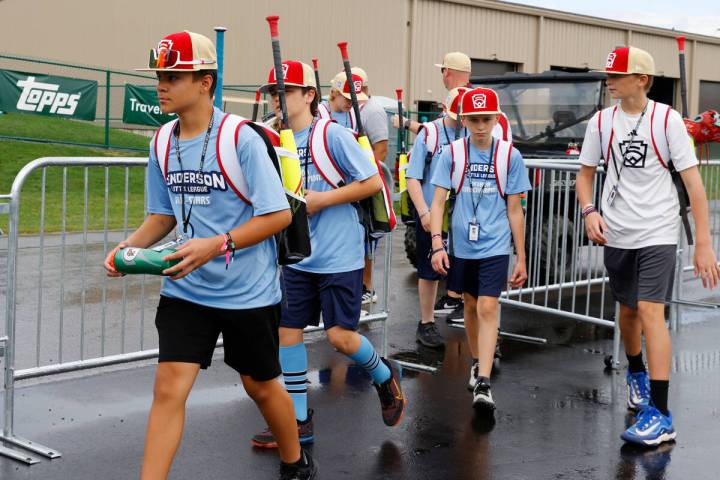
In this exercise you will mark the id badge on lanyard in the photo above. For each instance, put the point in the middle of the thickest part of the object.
(473, 230)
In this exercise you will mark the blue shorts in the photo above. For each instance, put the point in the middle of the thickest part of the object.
(423, 247)
(305, 295)
(454, 282)
(486, 277)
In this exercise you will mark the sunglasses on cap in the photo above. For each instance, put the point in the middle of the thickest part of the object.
(166, 58)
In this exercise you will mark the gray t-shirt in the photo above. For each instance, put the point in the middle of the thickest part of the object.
(375, 121)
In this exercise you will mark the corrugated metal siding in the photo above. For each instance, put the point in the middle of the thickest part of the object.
(664, 51)
(481, 33)
(574, 45)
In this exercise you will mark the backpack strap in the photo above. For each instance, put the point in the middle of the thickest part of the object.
(320, 154)
(161, 145)
(501, 162)
(502, 129)
(458, 154)
(324, 112)
(659, 115)
(432, 137)
(227, 158)
(606, 132)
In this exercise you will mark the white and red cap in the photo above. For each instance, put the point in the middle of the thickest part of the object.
(452, 101)
(629, 61)
(340, 83)
(182, 51)
(295, 74)
(479, 101)
(363, 74)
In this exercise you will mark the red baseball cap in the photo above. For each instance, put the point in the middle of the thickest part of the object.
(340, 83)
(182, 51)
(452, 101)
(295, 74)
(479, 101)
(629, 61)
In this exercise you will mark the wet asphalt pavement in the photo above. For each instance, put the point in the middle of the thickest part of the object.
(560, 413)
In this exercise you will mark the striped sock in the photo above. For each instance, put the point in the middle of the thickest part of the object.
(293, 360)
(367, 357)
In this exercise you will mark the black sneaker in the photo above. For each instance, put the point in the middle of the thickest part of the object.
(428, 335)
(482, 397)
(457, 315)
(368, 296)
(265, 439)
(392, 400)
(306, 469)
(446, 304)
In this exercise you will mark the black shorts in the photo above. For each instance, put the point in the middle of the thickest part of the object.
(188, 333)
(485, 277)
(641, 274)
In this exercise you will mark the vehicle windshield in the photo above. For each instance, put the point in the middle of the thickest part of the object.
(548, 112)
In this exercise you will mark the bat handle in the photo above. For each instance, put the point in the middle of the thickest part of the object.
(343, 50)
(273, 22)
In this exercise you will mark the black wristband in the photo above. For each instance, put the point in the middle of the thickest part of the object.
(433, 252)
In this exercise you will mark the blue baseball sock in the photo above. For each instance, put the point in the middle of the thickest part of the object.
(293, 360)
(367, 357)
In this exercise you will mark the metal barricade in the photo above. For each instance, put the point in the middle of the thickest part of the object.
(62, 314)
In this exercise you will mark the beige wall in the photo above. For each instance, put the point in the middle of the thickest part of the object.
(396, 41)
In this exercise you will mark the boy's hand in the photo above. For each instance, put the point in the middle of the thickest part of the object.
(440, 262)
(519, 274)
(595, 227)
(109, 263)
(194, 253)
(706, 266)
(315, 201)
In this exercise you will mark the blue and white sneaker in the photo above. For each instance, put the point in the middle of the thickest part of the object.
(651, 428)
(638, 390)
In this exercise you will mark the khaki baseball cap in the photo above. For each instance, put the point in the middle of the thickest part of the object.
(629, 61)
(339, 83)
(456, 61)
(186, 51)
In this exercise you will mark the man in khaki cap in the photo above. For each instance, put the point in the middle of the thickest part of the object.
(455, 70)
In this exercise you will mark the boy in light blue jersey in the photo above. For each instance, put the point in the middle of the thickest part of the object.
(205, 294)
(488, 177)
(425, 155)
(336, 174)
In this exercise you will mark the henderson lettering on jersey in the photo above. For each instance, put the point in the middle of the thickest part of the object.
(195, 181)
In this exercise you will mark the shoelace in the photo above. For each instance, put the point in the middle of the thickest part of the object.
(645, 417)
(639, 387)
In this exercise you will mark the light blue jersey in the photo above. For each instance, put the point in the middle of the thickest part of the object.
(418, 168)
(336, 235)
(252, 280)
(480, 202)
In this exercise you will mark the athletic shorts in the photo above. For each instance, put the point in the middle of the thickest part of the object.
(188, 333)
(423, 247)
(338, 296)
(454, 280)
(486, 277)
(641, 274)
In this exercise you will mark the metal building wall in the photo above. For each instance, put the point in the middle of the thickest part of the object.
(396, 41)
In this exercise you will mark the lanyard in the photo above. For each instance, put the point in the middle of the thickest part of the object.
(447, 137)
(472, 186)
(633, 134)
(186, 220)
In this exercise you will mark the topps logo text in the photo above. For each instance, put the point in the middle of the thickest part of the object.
(40, 97)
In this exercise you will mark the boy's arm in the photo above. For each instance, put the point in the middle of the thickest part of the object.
(594, 224)
(516, 216)
(153, 229)
(414, 189)
(706, 265)
(439, 260)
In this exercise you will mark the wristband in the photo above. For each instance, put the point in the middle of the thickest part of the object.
(435, 235)
(228, 247)
(427, 212)
(588, 210)
(433, 252)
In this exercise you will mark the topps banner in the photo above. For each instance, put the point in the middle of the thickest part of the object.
(142, 108)
(47, 95)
